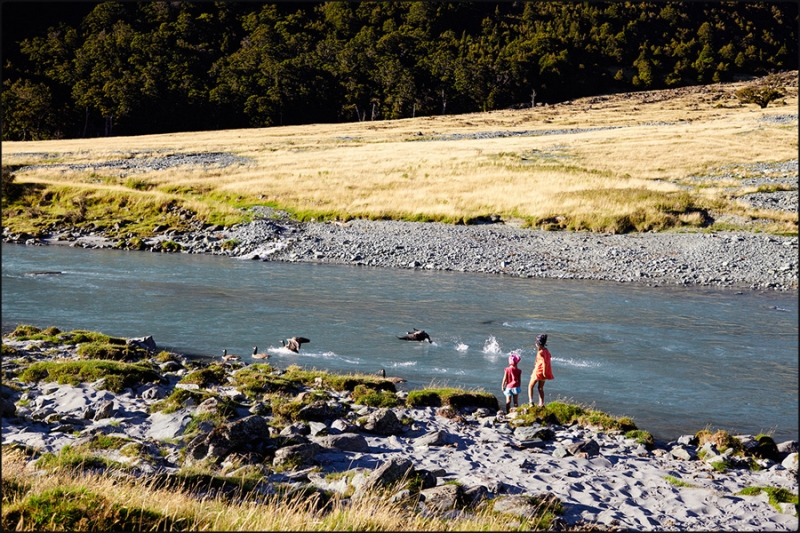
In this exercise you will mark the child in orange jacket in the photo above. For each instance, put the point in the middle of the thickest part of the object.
(542, 370)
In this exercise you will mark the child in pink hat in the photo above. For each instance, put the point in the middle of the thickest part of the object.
(512, 377)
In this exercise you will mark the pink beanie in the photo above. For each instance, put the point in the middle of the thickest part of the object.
(513, 359)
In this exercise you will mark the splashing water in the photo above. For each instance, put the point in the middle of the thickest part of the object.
(461, 347)
(491, 345)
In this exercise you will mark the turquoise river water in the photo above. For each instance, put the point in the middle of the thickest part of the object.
(675, 359)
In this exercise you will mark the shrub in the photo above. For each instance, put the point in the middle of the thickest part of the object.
(455, 398)
(642, 437)
(606, 421)
(230, 244)
(766, 449)
(165, 356)
(171, 246)
(721, 439)
(767, 90)
(135, 243)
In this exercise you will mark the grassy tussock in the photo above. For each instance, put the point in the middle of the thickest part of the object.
(776, 495)
(450, 397)
(565, 414)
(73, 499)
(653, 143)
(118, 376)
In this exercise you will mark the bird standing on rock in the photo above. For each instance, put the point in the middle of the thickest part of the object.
(257, 355)
(230, 357)
(294, 343)
(416, 335)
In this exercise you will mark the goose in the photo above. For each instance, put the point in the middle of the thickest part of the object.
(231, 357)
(390, 378)
(294, 343)
(416, 335)
(257, 355)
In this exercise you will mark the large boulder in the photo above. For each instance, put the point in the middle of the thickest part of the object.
(249, 434)
(587, 448)
(766, 449)
(320, 411)
(525, 506)
(346, 442)
(340, 425)
(146, 343)
(106, 410)
(295, 456)
(443, 498)
(790, 462)
(383, 422)
(433, 438)
(385, 475)
(7, 408)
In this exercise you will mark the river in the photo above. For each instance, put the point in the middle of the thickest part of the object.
(675, 359)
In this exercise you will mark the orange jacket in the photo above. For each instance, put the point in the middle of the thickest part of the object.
(542, 370)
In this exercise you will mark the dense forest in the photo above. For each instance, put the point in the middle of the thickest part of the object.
(130, 68)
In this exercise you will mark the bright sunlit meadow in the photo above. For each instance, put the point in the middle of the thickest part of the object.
(584, 164)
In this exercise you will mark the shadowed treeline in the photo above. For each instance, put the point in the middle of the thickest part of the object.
(154, 67)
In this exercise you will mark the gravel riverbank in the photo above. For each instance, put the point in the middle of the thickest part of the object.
(707, 259)
(736, 260)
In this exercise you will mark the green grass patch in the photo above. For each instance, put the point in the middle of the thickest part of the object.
(74, 508)
(75, 459)
(165, 356)
(118, 375)
(213, 374)
(337, 382)
(254, 380)
(566, 414)
(367, 396)
(103, 442)
(25, 332)
(455, 398)
(679, 482)
(111, 352)
(36, 208)
(225, 406)
(776, 495)
(286, 411)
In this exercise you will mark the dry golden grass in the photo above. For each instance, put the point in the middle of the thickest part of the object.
(398, 169)
(109, 499)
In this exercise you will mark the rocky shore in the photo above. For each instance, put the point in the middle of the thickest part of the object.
(462, 456)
